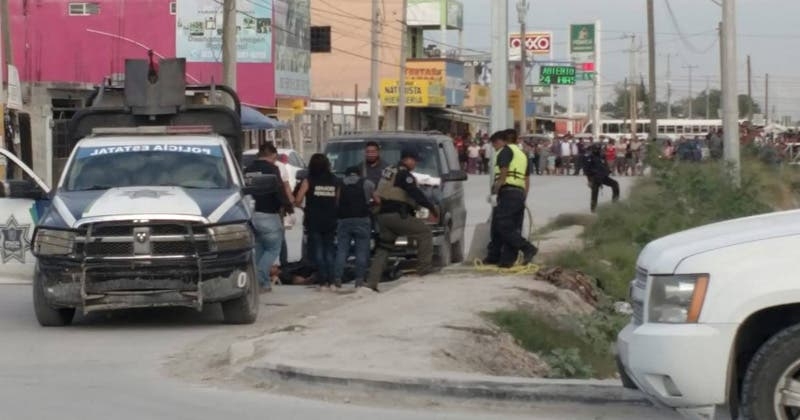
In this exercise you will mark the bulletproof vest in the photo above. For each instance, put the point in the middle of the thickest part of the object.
(352, 201)
(320, 211)
(387, 190)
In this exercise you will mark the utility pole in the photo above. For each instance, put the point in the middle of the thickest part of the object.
(766, 99)
(401, 85)
(730, 99)
(5, 28)
(632, 87)
(229, 43)
(651, 62)
(691, 93)
(522, 13)
(669, 88)
(708, 98)
(499, 118)
(598, 54)
(749, 91)
(374, 112)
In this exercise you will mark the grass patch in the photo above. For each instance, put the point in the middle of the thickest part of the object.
(573, 348)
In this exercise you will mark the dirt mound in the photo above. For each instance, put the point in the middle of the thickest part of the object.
(574, 280)
(491, 352)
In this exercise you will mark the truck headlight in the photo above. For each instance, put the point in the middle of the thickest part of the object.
(423, 213)
(231, 237)
(677, 299)
(53, 242)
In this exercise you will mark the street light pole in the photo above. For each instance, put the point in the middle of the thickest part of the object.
(374, 111)
(522, 12)
(229, 43)
(401, 85)
(499, 118)
(730, 99)
(651, 47)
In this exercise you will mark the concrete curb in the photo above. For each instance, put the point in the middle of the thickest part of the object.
(455, 386)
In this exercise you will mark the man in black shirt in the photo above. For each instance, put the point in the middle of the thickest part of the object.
(267, 217)
(399, 198)
(598, 174)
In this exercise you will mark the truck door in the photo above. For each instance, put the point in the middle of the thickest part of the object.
(22, 201)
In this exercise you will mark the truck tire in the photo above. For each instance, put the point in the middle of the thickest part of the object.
(244, 309)
(457, 254)
(776, 364)
(47, 315)
(443, 254)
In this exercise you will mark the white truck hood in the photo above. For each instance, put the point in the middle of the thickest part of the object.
(663, 255)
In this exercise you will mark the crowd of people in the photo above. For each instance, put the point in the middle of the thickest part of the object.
(339, 216)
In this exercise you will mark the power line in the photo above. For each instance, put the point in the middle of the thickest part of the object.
(683, 38)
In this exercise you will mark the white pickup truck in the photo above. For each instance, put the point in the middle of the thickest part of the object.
(716, 325)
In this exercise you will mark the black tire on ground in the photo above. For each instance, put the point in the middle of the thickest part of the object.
(764, 374)
(47, 315)
(457, 253)
(244, 309)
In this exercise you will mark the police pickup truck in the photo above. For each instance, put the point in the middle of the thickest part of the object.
(151, 210)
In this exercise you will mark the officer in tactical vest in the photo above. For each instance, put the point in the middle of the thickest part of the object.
(598, 174)
(511, 175)
(399, 198)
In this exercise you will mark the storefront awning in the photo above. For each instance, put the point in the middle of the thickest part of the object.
(254, 120)
(461, 116)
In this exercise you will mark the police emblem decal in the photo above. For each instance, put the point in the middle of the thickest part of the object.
(14, 241)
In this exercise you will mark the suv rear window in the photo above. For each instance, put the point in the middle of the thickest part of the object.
(344, 154)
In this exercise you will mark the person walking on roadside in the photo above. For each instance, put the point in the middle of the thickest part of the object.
(598, 174)
(355, 224)
(267, 216)
(320, 191)
(512, 173)
(399, 197)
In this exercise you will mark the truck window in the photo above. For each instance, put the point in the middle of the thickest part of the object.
(181, 165)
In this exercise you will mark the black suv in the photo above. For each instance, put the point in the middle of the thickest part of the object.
(438, 159)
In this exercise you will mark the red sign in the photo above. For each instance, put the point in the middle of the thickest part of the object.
(587, 67)
(535, 42)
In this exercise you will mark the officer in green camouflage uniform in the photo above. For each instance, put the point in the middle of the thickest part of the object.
(399, 198)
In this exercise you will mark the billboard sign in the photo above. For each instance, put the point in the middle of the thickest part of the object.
(582, 38)
(557, 75)
(435, 13)
(292, 48)
(536, 43)
(419, 93)
(198, 35)
(14, 99)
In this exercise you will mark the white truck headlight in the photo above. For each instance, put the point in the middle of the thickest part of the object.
(231, 237)
(677, 299)
(53, 242)
(423, 213)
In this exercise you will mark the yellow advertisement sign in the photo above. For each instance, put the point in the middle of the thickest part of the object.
(431, 70)
(298, 106)
(515, 103)
(419, 93)
(479, 96)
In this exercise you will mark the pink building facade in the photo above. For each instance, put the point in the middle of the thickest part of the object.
(54, 42)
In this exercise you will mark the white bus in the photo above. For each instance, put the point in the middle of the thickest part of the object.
(673, 128)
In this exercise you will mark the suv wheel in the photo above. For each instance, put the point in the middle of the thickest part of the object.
(771, 388)
(443, 254)
(244, 309)
(457, 254)
(47, 315)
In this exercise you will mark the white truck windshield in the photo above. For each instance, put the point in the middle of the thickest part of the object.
(184, 165)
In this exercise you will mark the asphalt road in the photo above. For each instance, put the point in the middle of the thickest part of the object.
(111, 366)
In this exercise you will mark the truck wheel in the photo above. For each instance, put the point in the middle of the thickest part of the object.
(443, 253)
(244, 309)
(47, 315)
(771, 388)
(457, 254)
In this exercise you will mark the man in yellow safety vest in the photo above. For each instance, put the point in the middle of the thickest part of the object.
(511, 175)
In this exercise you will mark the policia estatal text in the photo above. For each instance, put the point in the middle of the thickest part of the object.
(511, 174)
(399, 197)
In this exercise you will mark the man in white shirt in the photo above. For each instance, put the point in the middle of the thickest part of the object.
(288, 220)
(488, 152)
(474, 155)
(566, 157)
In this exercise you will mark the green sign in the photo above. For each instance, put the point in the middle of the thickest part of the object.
(584, 76)
(581, 39)
(557, 75)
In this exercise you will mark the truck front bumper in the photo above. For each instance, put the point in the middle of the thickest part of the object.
(122, 284)
(684, 367)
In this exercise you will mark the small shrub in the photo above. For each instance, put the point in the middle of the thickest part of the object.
(567, 363)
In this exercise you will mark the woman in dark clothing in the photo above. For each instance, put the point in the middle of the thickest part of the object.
(321, 194)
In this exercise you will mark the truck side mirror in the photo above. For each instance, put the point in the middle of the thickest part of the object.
(454, 176)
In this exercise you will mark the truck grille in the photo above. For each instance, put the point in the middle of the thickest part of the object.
(127, 239)
(640, 282)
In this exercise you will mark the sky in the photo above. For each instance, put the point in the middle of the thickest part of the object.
(767, 31)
